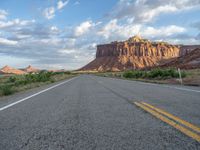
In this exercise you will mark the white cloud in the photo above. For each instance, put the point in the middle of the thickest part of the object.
(54, 29)
(49, 13)
(4, 41)
(67, 51)
(165, 31)
(146, 10)
(113, 31)
(83, 28)
(3, 14)
(152, 13)
(15, 23)
(61, 4)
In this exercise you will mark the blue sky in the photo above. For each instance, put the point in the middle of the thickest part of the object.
(57, 34)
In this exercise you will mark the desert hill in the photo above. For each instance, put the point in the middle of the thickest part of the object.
(31, 69)
(9, 70)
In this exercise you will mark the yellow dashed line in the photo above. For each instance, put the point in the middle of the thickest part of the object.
(170, 122)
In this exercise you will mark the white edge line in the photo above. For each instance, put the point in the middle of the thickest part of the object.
(165, 86)
(26, 98)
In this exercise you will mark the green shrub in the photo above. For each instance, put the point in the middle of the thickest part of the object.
(128, 74)
(134, 74)
(155, 73)
(138, 74)
(183, 74)
(68, 72)
(12, 79)
(6, 90)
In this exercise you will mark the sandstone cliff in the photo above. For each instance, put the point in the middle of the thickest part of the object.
(135, 53)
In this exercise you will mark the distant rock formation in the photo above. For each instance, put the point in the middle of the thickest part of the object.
(135, 53)
(31, 69)
(9, 70)
(190, 60)
(185, 49)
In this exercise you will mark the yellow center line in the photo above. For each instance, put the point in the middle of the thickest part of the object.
(193, 127)
(170, 122)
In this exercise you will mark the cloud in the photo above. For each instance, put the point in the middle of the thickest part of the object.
(113, 30)
(67, 51)
(61, 4)
(49, 13)
(83, 28)
(152, 13)
(15, 23)
(145, 11)
(7, 42)
(165, 31)
(3, 14)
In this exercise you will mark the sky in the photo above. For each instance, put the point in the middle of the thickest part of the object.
(63, 34)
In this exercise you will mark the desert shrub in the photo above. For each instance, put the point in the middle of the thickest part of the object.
(134, 74)
(155, 73)
(31, 78)
(128, 74)
(43, 76)
(68, 72)
(162, 73)
(12, 79)
(183, 74)
(138, 74)
(6, 90)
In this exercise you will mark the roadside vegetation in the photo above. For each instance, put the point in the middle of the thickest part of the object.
(154, 74)
(159, 75)
(16, 83)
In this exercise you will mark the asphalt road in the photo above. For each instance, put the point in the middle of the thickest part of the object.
(91, 112)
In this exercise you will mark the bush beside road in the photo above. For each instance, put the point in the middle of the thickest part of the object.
(16, 83)
(162, 76)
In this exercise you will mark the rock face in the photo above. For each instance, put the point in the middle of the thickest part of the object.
(10, 70)
(190, 60)
(135, 53)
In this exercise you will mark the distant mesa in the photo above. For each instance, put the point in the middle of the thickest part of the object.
(135, 53)
(31, 69)
(9, 70)
(190, 60)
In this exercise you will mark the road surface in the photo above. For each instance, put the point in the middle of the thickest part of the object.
(90, 112)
